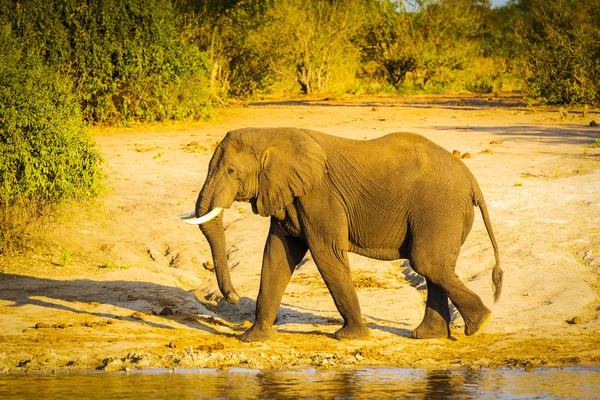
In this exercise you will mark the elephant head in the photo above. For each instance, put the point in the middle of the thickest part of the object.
(266, 167)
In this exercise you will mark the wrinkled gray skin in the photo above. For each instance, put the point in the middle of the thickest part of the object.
(399, 196)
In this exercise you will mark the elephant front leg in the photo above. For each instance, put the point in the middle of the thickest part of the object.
(436, 323)
(280, 258)
(335, 270)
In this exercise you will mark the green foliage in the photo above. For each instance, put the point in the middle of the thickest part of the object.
(46, 153)
(559, 46)
(129, 60)
(65, 259)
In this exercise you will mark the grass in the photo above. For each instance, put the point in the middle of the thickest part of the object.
(113, 265)
(65, 259)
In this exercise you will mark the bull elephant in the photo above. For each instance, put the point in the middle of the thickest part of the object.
(398, 196)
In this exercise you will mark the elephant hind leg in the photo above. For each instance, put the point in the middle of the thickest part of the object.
(436, 261)
(436, 322)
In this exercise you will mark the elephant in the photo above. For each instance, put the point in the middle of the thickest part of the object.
(399, 196)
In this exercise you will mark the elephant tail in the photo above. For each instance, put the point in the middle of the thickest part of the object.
(497, 273)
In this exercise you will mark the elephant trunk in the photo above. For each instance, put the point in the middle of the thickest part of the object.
(215, 235)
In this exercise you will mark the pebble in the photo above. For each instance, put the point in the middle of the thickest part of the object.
(466, 155)
(593, 123)
(576, 320)
(42, 325)
(208, 265)
(456, 153)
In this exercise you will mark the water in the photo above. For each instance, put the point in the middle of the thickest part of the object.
(358, 384)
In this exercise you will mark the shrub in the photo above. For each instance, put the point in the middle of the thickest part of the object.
(128, 60)
(46, 153)
(559, 54)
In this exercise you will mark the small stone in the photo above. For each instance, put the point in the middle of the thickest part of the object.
(576, 320)
(374, 109)
(193, 143)
(173, 345)
(136, 315)
(456, 153)
(496, 142)
(208, 265)
(166, 311)
(466, 155)
(42, 325)
(593, 123)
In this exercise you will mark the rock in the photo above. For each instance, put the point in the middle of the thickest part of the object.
(496, 142)
(136, 315)
(111, 365)
(593, 123)
(42, 325)
(166, 311)
(208, 265)
(173, 345)
(456, 153)
(466, 155)
(374, 109)
(576, 320)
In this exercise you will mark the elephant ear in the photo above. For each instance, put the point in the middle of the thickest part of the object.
(292, 165)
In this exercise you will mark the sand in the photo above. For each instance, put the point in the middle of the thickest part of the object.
(135, 294)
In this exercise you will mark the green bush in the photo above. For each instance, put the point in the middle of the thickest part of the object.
(128, 59)
(46, 153)
(558, 43)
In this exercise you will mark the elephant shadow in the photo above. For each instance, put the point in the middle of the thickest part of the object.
(134, 300)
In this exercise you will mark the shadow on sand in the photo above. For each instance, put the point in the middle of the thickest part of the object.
(79, 295)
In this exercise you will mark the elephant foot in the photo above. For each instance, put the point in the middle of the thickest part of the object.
(352, 332)
(475, 323)
(255, 334)
(427, 330)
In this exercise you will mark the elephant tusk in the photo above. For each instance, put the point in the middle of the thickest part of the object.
(199, 221)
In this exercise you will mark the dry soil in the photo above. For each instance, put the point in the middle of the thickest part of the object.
(119, 283)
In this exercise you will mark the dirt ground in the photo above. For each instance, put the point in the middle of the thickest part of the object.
(119, 283)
